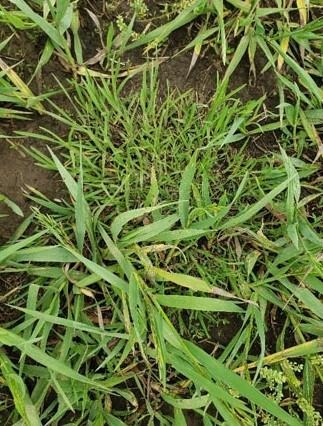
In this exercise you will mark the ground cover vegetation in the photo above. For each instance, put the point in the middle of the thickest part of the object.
(169, 268)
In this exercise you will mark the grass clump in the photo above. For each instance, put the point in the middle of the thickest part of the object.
(169, 232)
(178, 275)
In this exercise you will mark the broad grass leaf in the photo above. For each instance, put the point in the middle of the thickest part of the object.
(114, 421)
(293, 196)
(218, 4)
(211, 222)
(195, 284)
(22, 401)
(124, 264)
(152, 196)
(311, 328)
(238, 55)
(304, 295)
(302, 350)
(302, 10)
(217, 394)
(187, 404)
(149, 232)
(258, 315)
(314, 283)
(181, 234)
(308, 232)
(12, 249)
(251, 260)
(197, 303)
(122, 219)
(304, 77)
(157, 330)
(138, 313)
(179, 418)
(49, 29)
(12, 206)
(56, 254)
(293, 234)
(162, 32)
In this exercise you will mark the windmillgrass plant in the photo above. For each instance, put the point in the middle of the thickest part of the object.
(170, 231)
(167, 228)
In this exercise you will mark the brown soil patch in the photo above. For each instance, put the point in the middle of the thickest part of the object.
(10, 287)
(18, 171)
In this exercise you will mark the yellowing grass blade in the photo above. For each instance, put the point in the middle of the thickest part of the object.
(193, 283)
(304, 349)
(130, 72)
(195, 56)
(24, 90)
(302, 10)
(312, 134)
(284, 47)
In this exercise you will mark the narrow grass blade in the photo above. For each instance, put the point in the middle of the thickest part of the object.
(248, 214)
(304, 349)
(72, 324)
(81, 209)
(185, 190)
(66, 176)
(220, 373)
(12, 340)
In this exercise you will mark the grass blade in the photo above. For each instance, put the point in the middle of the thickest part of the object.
(185, 191)
(197, 303)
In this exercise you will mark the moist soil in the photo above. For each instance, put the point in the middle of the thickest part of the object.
(18, 170)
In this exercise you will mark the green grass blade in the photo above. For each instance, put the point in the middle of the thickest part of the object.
(120, 221)
(197, 303)
(12, 249)
(12, 340)
(250, 212)
(49, 29)
(182, 280)
(22, 401)
(220, 373)
(185, 191)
